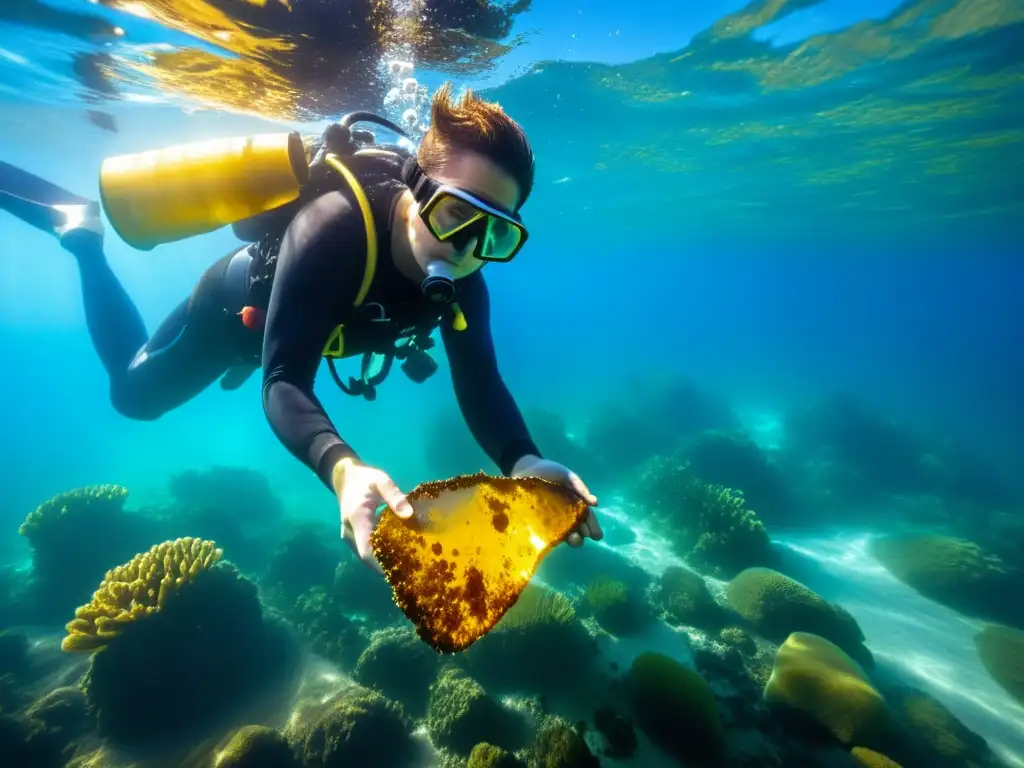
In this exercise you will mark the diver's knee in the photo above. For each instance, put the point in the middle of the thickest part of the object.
(134, 405)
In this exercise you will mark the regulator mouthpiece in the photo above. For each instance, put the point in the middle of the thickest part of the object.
(439, 286)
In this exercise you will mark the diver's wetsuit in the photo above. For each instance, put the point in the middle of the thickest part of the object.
(318, 273)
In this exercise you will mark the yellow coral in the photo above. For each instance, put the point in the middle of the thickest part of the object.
(50, 512)
(817, 678)
(138, 588)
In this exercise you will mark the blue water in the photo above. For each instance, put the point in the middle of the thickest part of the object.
(776, 200)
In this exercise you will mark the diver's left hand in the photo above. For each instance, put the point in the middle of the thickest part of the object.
(534, 466)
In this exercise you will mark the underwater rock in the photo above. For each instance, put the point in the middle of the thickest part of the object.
(955, 573)
(776, 606)
(461, 715)
(255, 746)
(676, 708)
(559, 745)
(532, 646)
(24, 743)
(360, 591)
(618, 733)
(356, 727)
(685, 598)
(399, 665)
(815, 677)
(319, 618)
(1001, 650)
(243, 493)
(64, 714)
(186, 659)
(618, 610)
(469, 550)
(306, 558)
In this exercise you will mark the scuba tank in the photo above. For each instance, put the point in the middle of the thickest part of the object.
(251, 182)
(169, 194)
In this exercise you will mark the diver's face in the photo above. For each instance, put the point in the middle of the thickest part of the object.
(473, 173)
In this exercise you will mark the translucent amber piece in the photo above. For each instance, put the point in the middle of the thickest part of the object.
(469, 550)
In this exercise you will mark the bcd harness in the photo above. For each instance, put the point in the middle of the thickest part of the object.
(406, 343)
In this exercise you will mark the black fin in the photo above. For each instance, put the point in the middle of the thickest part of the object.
(33, 199)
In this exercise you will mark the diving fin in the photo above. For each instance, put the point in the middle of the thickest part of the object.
(236, 376)
(46, 206)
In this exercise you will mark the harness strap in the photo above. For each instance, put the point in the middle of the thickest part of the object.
(371, 230)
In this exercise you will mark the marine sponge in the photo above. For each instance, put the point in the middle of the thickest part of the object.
(1001, 650)
(136, 589)
(777, 606)
(676, 708)
(814, 676)
(470, 549)
(78, 501)
(684, 596)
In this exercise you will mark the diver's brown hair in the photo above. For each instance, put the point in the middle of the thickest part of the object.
(479, 126)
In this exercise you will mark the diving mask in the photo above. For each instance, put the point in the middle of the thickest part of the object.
(456, 216)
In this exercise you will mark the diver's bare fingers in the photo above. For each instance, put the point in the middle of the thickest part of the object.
(581, 488)
(592, 526)
(362, 526)
(574, 540)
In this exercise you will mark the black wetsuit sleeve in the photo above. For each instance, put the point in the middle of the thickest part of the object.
(319, 271)
(488, 407)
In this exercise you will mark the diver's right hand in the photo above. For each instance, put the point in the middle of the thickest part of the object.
(361, 489)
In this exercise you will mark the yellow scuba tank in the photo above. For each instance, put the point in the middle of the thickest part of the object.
(173, 193)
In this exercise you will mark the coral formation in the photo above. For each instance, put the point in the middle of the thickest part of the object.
(954, 572)
(777, 606)
(676, 709)
(193, 655)
(461, 714)
(617, 609)
(469, 550)
(730, 458)
(400, 666)
(64, 571)
(532, 646)
(1001, 650)
(684, 597)
(356, 727)
(255, 746)
(815, 677)
(559, 745)
(709, 525)
(489, 756)
(139, 588)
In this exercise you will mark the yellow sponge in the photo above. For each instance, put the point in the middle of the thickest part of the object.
(816, 677)
(138, 588)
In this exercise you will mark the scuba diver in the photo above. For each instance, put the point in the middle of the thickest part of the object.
(377, 248)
